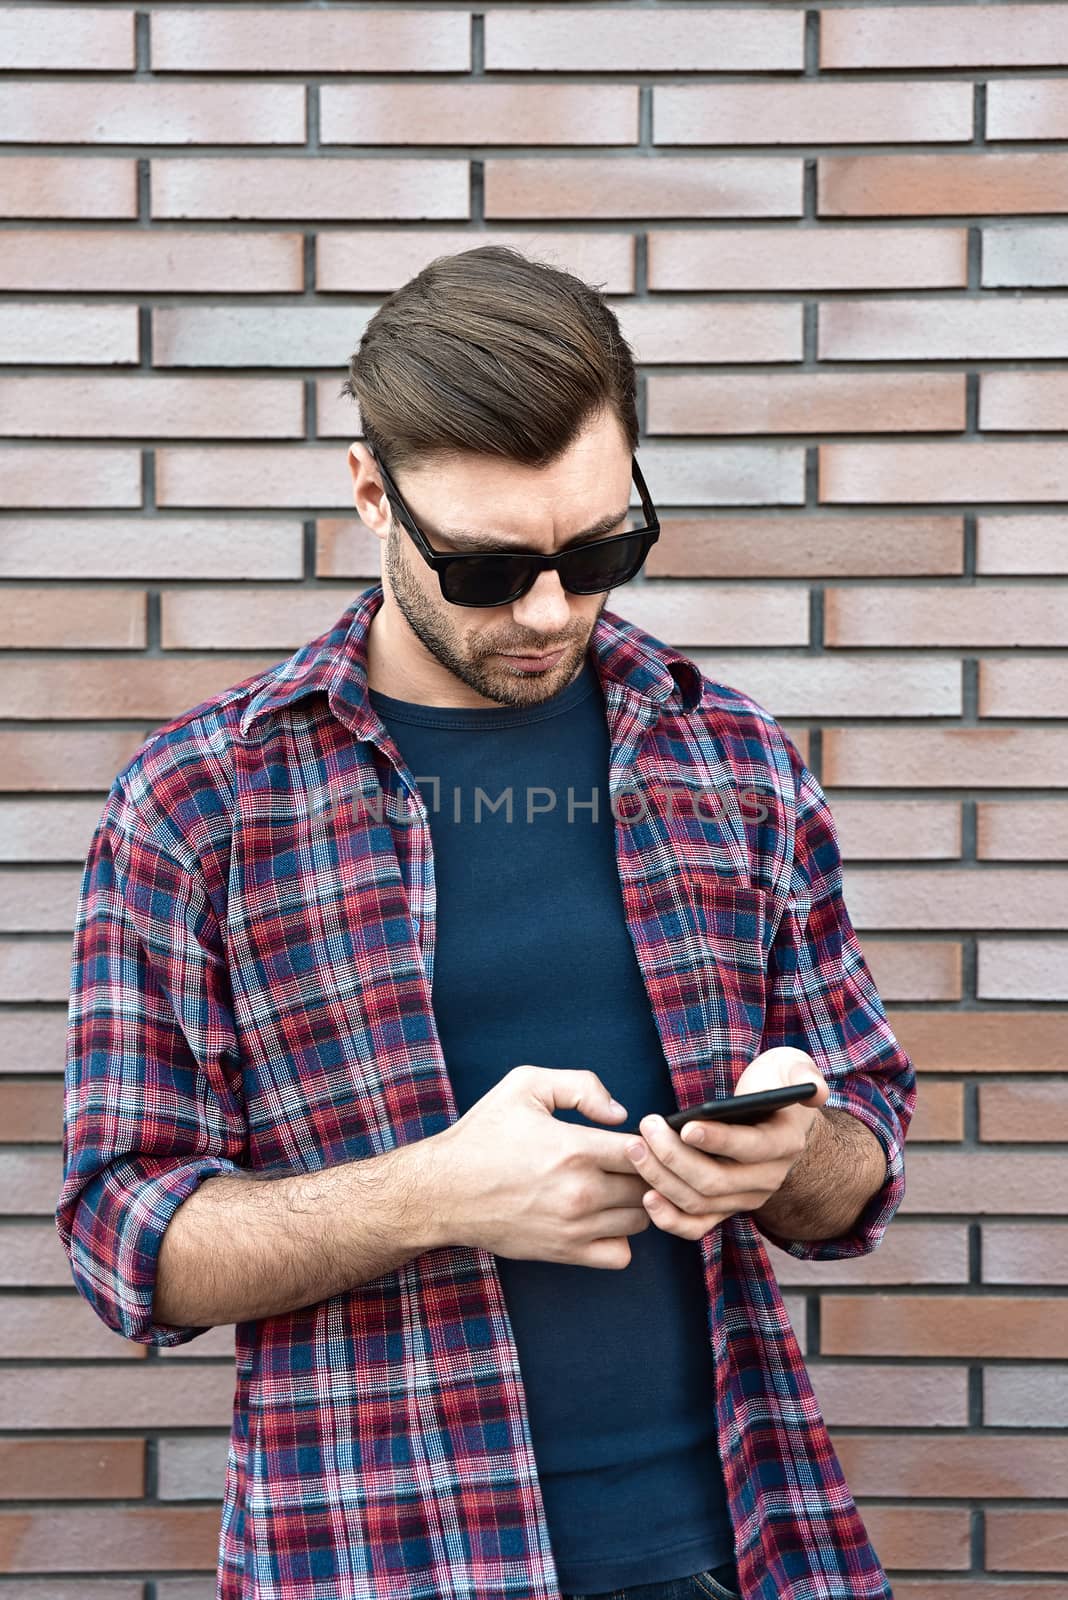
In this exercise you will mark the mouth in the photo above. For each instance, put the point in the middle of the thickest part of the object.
(534, 663)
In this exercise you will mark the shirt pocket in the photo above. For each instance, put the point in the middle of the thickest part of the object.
(733, 920)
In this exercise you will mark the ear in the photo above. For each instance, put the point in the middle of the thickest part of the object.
(368, 494)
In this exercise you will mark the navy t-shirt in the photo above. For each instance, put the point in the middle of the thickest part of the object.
(534, 963)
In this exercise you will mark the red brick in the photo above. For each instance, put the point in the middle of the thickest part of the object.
(298, 187)
(196, 39)
(151, 547)
(637, 186)
(152, 113)
(143, 688)
(62, 1469)
(73, 619)
(1022, 544)
(983, 1041)
(1027, 108)
(34, 969)
(31, 1113)
(815, 686)
(279, 618)
(698, 614)
(977, 1184)
(977, 470)
(68, 758)
(943, 615)
(945, 36)
(175, 261)
(674, 39)
(941, 1326)
(32, 1040)
(1023, 400)
(953, 758)
(1025, 1253)
(1023, 969)
(942, 185)
(59, 1326)
(1022, 830)
(344, 548)
(937, 330)
(1032, 687)
(479, 113)
(915, 969)
(53, 39)
(1024, 255)
(85, 407)
(828, 257)
(51, 332)
(938, 1118)
(920, 1536)
(836, 402)
(1023, 1113)
(66, 186)
(958, 897)
(359, 261)
(923, 1465)
(812, 113)
(811, 545)
(123, 1539)
(911, 1253)
(1030, 1541)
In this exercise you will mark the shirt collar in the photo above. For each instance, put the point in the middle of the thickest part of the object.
(336, 662)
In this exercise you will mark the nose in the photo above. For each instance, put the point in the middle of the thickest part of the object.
(545, 609)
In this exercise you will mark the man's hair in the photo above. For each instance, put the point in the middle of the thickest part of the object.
(491, 352)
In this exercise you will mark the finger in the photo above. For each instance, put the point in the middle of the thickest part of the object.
(688, 1178)
(760, 1141)
(685, 1224)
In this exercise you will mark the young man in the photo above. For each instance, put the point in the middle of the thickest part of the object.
(388, 964)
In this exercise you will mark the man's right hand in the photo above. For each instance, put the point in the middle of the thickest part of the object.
(510, 1178)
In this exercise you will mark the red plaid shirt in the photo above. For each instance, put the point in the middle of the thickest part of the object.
(250, 988)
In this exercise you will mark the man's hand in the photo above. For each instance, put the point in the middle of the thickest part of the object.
(709, 1170)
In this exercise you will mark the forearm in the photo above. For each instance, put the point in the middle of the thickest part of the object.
(244, 1247)
(843, 1165)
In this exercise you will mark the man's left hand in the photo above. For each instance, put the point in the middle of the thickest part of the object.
(707, 1171)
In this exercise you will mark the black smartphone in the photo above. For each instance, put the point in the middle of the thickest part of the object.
(742, 1107)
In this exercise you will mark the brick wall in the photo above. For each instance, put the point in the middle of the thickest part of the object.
(837, 240)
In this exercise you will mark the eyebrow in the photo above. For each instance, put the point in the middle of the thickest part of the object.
(467, 539)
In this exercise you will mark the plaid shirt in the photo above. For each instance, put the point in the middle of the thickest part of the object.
(250, 988)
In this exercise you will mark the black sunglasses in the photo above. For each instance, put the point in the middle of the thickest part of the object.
(496, 578)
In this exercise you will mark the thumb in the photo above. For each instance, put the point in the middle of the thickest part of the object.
(781, 1067)
(571, 1089)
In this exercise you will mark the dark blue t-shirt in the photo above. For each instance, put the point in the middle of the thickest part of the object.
(534, 963)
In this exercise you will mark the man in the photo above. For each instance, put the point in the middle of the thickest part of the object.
(385, 958)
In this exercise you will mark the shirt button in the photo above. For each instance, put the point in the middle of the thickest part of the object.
(415, 924)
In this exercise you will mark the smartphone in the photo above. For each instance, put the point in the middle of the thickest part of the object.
(742, 1107)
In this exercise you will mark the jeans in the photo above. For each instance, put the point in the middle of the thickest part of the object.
(716, 1583)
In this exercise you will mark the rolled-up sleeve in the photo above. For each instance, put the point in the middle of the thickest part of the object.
(152, 1093)
(821, 998)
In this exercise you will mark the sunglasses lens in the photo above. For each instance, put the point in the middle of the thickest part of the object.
(603, 565)
(485, 580)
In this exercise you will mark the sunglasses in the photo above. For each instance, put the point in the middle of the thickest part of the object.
(496, 578)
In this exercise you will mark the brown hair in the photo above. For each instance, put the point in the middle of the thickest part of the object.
(491, 352)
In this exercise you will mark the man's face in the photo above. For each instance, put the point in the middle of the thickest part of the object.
(436, 653)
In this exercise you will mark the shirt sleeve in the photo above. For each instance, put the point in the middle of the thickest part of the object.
(152, 1098)
(822, 999)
